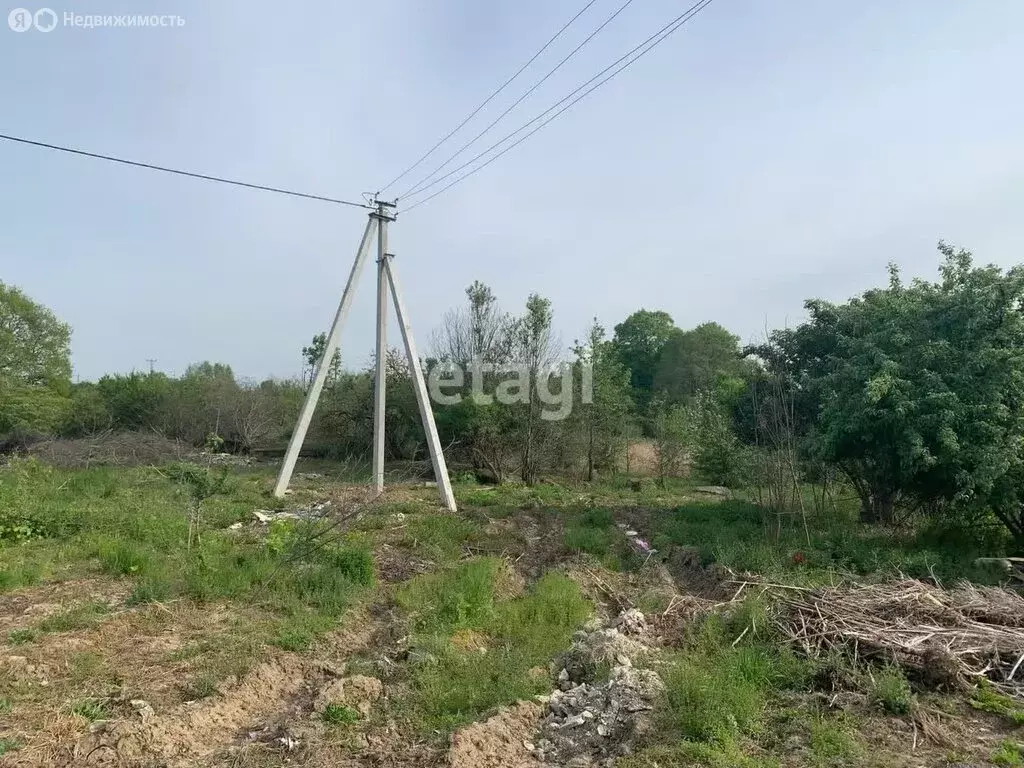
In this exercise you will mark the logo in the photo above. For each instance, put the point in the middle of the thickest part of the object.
(22, 20)
(45, 20)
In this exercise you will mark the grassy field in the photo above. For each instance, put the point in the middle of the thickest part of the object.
(149, 606)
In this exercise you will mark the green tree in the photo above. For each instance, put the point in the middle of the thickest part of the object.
(919, 389)
(639, 341)
(35, 347)
(536, 353)
(136, 401)
(311, 357)
(603, 414)
(35, 365)
(697, 360)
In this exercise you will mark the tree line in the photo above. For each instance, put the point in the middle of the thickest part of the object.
(911, 395)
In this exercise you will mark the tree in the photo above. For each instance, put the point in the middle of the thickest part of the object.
(919, 389)
(696, 360)
(35, 346)
(639, 341)
(604, 420)
(311, 357)
(536, 353)
(35, 365)
(479, 331)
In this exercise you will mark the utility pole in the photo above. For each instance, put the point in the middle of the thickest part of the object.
(152, 362)
(387, 282)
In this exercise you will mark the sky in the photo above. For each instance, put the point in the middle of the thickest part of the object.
(769, 152)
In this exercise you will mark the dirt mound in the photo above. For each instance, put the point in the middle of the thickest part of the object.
(503, 741)
(358, 692)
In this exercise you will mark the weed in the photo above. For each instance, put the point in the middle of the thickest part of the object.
(354, 564)
(122, 558)
(687, 753)
(339, 714)
(440, 536)
(453, 684)
(22, 636)
(298, 634)
(717, 688)
(8, 745)
(80, 617)
(462, 597)
(90, 709)
(84, 664)
(832, 741)
(5, 706)
(890, 689)
(200, 687)
(1009, 753)
(987, 699)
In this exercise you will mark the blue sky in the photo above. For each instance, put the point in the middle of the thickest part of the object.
(771, 151)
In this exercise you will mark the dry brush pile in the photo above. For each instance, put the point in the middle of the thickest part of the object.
(950, 638)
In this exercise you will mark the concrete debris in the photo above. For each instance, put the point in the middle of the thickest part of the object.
(631, 622)
(591, 722)
(312, 512)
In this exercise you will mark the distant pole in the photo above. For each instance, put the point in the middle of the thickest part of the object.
(152, 362)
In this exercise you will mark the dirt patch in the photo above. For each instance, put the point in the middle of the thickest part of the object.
(194, 731)
(693, 578)
(500, 742)
(24, 608)
(642, 458)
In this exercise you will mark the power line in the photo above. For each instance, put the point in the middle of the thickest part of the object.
(418, 187)
(651, 42)
(488, 100)
(177, 172)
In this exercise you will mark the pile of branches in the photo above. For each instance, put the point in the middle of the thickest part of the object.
(949, 638)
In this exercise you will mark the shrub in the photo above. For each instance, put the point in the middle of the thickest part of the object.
(890, 689)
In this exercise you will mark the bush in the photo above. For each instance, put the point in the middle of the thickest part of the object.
(890, 689)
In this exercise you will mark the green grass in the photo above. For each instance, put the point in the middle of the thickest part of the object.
(22, 636)
(686, 754)
(832, 741)
(8, 745)
(462, 597)
(90, 709)
(739, 535)
(440, 536)
(1008, 753)
(987, 699)
(133, 523)
(79, 617)
(339, 714)
(452, 684)
(719, 685)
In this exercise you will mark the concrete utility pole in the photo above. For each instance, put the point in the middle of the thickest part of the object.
(386, 282)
